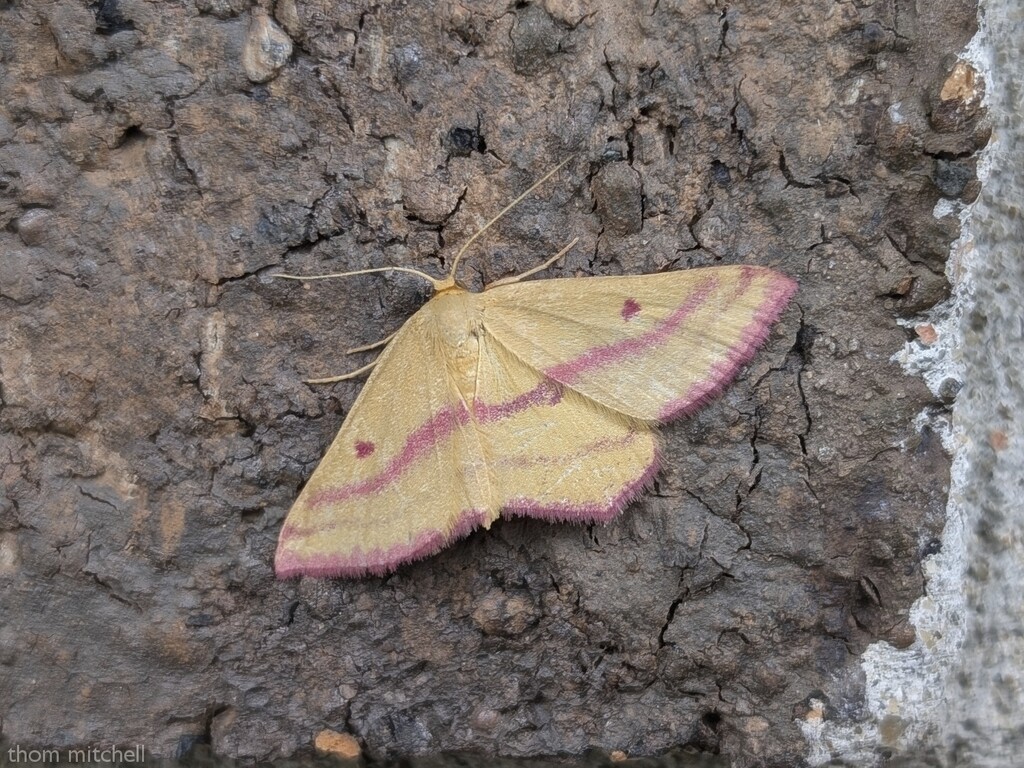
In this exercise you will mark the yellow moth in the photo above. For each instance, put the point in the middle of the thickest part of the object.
(536, 398)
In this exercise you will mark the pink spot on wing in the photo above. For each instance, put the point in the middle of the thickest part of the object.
(630, 308)
(420, 442)
(599, 357)
(424, 439)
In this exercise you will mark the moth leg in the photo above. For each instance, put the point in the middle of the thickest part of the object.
(344, 376)
(358, 371)
(535, 270)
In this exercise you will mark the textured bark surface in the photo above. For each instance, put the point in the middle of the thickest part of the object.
(158, 161)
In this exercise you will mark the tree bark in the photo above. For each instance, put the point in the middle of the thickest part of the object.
(160, 161)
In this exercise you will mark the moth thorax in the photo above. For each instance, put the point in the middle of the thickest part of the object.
(457, 322)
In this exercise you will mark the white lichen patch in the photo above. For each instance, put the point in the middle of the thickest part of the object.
(915, 695)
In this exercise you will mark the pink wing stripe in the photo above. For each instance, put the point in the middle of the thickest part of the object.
(419, 442)
(599, 357)
(379, 561)
(721, 373)
(376, 562)
(566, 459)
(546, 393)
(438, 428)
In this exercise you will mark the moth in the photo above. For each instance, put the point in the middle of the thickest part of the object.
(537, 398)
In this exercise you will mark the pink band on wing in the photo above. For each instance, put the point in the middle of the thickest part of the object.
(546, 393)
(441, 426)
(566, 458)
(419, 442)
(721, 373)
(599, 357)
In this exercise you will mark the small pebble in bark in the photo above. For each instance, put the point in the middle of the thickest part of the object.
(618, 193)
(874, 36)
(33, 225)
(341, 745)
(267, 49)
(926, 333)
(959, 100)
(953, 177)
(462, 142)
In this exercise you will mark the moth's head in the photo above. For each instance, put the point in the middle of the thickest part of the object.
(449, 284)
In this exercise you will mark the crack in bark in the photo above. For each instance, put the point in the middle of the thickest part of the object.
(894, 242)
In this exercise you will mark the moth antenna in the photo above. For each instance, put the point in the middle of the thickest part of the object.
(437, 284)
(344, 376)
(375, 344)
(504, 210)
(535, 270)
